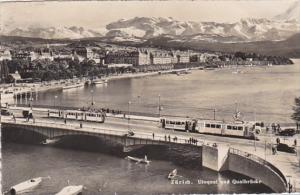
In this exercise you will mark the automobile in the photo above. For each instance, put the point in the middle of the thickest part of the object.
(285, 148)
(27, 114)
(287, 132)
(129, 133)
(5, 112)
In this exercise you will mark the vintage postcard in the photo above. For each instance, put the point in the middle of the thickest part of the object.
(150, 97)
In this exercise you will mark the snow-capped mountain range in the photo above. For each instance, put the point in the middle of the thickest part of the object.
(140, 29)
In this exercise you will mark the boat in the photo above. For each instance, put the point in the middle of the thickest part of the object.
(71, 86)
(71, 190)
(97, 81)
(105, 80)
(50, 141)
(139, 160)
(172, 174)
(25, 186)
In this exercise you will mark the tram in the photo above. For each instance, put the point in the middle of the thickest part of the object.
(77, 115)
(245, 129)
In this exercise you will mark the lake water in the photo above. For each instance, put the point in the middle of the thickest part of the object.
(266, 94)
(260, 93)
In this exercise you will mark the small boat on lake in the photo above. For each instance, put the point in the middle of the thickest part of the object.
(26, 186)
(139, 160)
(71, 190)
(172, 174)
(50, 141)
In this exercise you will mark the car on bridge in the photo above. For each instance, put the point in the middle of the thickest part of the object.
(287, 132)
(285, 148)
(130, 133)
(5, 112)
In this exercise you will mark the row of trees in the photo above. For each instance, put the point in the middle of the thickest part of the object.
(64, 69)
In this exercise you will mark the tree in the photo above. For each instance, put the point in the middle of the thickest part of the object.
(296, 115)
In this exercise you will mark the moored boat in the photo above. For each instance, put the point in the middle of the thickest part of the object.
(172, 174)
(71, 190)
(98, 81)
(139, 160)
(25, 186)
(71, 86)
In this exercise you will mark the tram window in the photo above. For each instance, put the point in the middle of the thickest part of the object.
(229, 127)
(240, 128)
(207, 125)
(167, 122)
(218, 126)
(234, 127)
(213, 126)
(172, 122)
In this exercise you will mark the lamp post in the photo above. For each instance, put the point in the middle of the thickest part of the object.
(214, 114)
(0, 112)
(159, 107)
(128, 115)
(92, 93)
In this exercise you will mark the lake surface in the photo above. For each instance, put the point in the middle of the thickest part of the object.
(107, 174)
(260, 93)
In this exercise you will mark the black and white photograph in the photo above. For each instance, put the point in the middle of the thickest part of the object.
(149, 97)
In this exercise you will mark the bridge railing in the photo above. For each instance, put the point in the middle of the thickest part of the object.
(260, 161)
(92, 129)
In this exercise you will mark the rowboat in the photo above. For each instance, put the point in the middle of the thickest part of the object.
(50, 141)
(71, 190)
(172, 174)
(139, 160)
(25, 186)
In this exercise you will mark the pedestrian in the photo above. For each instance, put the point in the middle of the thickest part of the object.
(80, 124)
(165, 137)
(153, 135)
(169, 138)
(65, 121)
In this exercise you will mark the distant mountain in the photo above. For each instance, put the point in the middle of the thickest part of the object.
(140, 29)
(289, 47)
(72, 32)
(245, 30)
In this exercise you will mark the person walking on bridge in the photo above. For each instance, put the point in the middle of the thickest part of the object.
(153, 135)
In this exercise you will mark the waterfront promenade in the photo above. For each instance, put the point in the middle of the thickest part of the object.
(287, 163)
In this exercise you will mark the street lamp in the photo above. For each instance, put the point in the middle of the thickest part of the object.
(159, 108)
(92, 92)
(128, 115)
(0, 111)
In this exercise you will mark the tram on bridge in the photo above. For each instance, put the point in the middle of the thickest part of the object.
(245, 129)
(92, 116)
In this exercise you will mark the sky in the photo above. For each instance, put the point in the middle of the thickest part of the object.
(97, 14)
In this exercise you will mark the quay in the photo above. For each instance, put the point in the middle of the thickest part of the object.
(279, 172)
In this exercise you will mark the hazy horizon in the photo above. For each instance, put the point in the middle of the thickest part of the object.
(97, 14)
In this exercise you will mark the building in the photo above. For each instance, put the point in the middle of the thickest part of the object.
(85, 52)
(63, 55)
(5, 55)
(45, 53)
(23, 55)
(122, 57)
(160, 58)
